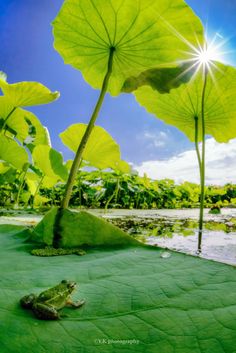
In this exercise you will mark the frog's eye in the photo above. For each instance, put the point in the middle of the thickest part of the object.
(64, 281)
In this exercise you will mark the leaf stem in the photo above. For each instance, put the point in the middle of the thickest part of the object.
(79, 153)
(196, 145)
(21, 187)
(37, 190)
(202, 169)
(8, 116)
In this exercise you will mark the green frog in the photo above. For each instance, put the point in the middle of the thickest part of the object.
(45, 306)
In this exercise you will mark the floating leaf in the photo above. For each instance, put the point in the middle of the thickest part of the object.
(101, 151)
(12, 153)
(50, 162)
(182, 105)
(136, 301)
(143, 33)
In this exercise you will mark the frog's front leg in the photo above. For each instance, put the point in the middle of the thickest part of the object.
(45, 312)
(77, 304)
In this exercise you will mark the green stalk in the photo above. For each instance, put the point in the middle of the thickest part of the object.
(20, 188)
(196, 145)
(78, 156)
(38, 187)
(8, 116)
(202, 170)
(114, 194)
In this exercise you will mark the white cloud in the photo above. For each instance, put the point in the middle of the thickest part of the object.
(220, 165)
(155, 139)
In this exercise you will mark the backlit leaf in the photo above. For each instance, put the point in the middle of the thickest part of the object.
(12, 153)
(181, 105)
(101, 150)
(50, 162)
(23, 94)
(144, 34)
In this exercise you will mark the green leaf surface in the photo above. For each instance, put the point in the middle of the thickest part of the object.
(144, 33)
(181, 105)
(24, 94)
(12, 153)
(50, 162)
(101, 150)
(136, 301)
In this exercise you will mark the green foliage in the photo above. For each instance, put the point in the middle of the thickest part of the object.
(99, 189)
(177, 303)
(85, 31)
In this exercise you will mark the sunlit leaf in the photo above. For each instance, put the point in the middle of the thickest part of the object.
(144, 34)
(50, 162)
(101, 150)
(12, 153)
(182, 105)
(27, 127)
(122, 166)
(24, 94)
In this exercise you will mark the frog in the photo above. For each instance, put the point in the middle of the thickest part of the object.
(47, 304)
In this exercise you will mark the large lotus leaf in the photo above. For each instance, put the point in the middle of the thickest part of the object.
(182, 105)
(80, 228)
(50, 162)
(144, 34)
(136, 301)
(23, 94)
(101, 151)
(12, 153)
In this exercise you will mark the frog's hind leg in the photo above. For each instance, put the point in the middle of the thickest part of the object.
(77, 304)
(45, 312)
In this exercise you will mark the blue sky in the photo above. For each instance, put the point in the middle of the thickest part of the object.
(27, 54)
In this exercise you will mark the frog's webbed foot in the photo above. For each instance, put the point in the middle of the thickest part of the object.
(77, 304)
(45, 312)
(27, 301)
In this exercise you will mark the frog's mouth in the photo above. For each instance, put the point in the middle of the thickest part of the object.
(72, 285)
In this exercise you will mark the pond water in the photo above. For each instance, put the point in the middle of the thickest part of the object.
(178, 230)
(171, 229)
